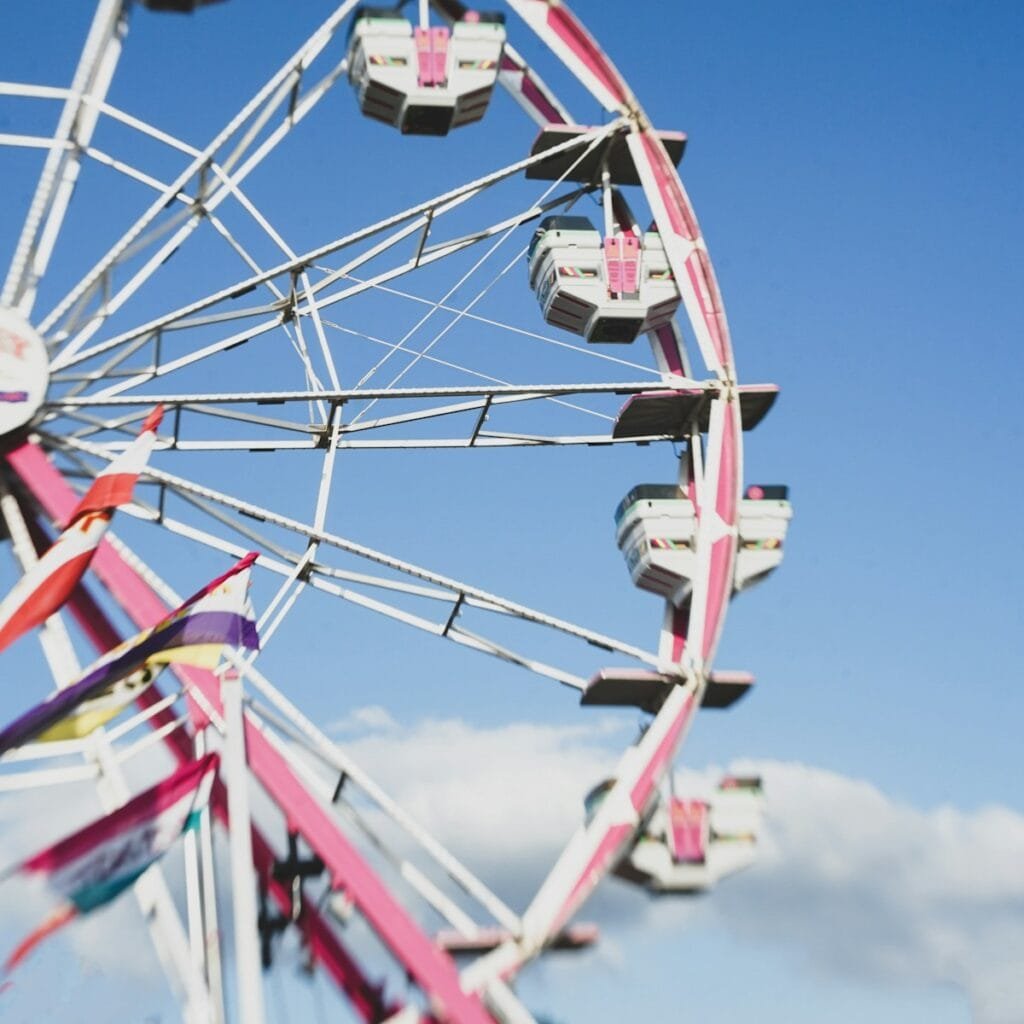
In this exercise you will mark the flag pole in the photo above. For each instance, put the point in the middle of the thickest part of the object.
(208, 892)
(248, 968)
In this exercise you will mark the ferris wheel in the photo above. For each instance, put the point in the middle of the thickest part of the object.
(407, 249)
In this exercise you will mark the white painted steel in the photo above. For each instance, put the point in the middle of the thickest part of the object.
(316, 42)
(248, 970)
(305, 298)
(70, 355)
(334, 756)
(334, 540)
(60, 171)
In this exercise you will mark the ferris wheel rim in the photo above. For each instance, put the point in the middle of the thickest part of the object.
(725, 409)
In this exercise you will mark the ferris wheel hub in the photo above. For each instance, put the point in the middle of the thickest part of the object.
(24, 371)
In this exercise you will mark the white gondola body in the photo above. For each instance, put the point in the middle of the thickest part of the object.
(763, 526)
(424, 81)
(609, 290)
(726, 834)
(655, 530)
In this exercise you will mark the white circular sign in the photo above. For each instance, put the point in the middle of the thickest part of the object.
(24, 371)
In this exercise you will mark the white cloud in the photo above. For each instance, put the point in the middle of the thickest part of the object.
(862, 886)
(867, 888)
(872, 888)
(504, 799)
(372, 718)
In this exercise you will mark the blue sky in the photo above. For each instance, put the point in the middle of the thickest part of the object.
(856, 172)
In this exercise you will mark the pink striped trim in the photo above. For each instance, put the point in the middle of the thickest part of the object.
(680, 626)
(723, 551)
(698, 269)
(720, 583)
(614, 839)
(533, 94)
(531, 91)
(669, 349)
(565, 25)
(644, 786)
(677, 206)
(728, 470)
(684, 222)
(142, 808)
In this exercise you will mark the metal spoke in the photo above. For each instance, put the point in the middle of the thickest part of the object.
(60, 171)
(417, 214)
(275, 92)
(459, 591)
(480, 400)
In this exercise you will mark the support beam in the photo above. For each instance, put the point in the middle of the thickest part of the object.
(60, 171)
(248, 974)
(433, 970)
(366, 997)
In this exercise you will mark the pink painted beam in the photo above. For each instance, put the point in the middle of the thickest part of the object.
(686, 250)
(668, 350)
(529, 91)
(717, 507)
(428, 966)
(557, 26)
(366, 997)
(599, 844)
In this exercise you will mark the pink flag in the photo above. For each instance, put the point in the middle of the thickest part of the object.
(195, 633)
(46, 587)
(92, 866)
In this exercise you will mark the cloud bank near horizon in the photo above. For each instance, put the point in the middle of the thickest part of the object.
(863, 887)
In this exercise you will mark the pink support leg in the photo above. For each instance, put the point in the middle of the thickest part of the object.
(367, 998)
(429, 967)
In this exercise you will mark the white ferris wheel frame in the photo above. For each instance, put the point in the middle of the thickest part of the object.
(297, 302)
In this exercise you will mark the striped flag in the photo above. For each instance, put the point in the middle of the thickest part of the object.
(49, 583)
(98, 711)
(219, 615)
(92, 866)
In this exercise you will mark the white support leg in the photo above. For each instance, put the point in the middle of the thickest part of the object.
(57, 181)
(211, 914)
(157, 906)
(243, 880)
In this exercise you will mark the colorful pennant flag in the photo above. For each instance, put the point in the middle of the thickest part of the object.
(98, 711)
(91, 867)
(219, 615)
(49, 583)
